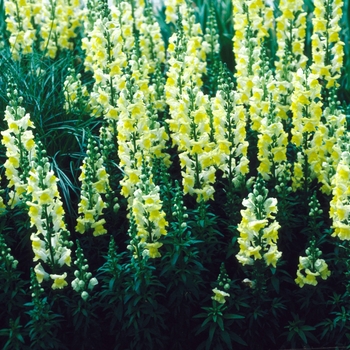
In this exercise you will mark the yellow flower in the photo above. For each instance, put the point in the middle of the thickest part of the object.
(59, 281)
(153, 249)
(40, 273)
(272, 256)
(220, 296)
(98, 227)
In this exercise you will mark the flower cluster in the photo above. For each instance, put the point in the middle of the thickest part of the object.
(59, 25)
(272, 138)
(229, 122)
(173, 8)
(327, 48)
(223, 281)
(22, 19)
(340, 203)
(106, 56)
(75, 93)
(20, 147)
(148, 216)
(95, 185)
(252, 19)
(140, 135)
(310, 267)
(307, 111)
(190, 123)
(258, 228)
(56, 22)
(291, 32)
(83, 282)
(149, 36)
(326, 143)
(50, 240)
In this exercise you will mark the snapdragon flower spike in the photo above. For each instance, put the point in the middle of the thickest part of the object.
(211, 37)
(272, 139)
(19, 142)
(312, 266)
(340, 204)
(223, 286)
(258, 228)
(132, 120)
(140, 134)
(83, 282)
(22, 20)
(290, 32)
(148, 215)
(50, 239)
(306, 108)
(60, 20)
(172, 9)
(76, 95)
(105, 57)
(229, 124)
(149, 35)
(197, 156)
(327, 48)
(94, 187)
(252, 20)
(190, 122)
(327, 143)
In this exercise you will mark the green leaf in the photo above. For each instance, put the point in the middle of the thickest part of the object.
(302, 335)
(226, 338)
(212, 330)
(235, 337)
(220, 322)
(233, 317)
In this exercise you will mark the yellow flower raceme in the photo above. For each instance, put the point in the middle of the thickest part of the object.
(59, 24)
(20, 149)
(106, 57)
(75, 93)
(306, 108)
(309, 271)
(50, 240)
(150, 37)
(229, 123)
(327, 48)
(171, 8)
(147, 218)
(189, 122)
(95, 184)
(340, 203)
(252, 19)
(258, 229)
(140, 135)
(325, 151)
(291, 32)
(22, 22)
(272, 146)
